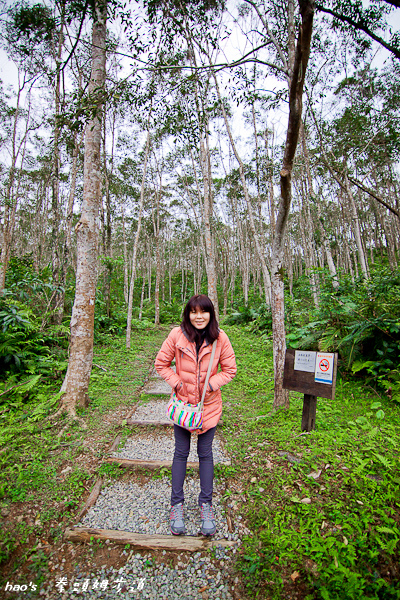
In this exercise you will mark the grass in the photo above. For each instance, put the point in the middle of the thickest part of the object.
(43, 478)
(323, 507)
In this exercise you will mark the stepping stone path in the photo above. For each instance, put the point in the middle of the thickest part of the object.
(159, 446)
(156, 386)
(138, 513)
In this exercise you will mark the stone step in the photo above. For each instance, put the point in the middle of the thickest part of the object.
(156, 447)
(161, 423)
(130, 463)
(143, 541)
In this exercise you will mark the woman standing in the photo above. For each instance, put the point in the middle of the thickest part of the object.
(190, 345)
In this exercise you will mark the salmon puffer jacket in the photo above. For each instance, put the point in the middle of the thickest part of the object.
(191, 371)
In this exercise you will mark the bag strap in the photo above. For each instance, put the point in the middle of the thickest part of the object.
(208, 373)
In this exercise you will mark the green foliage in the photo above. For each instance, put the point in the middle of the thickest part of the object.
(24, 346)
(170, 312)
(344, 540)
(111, 471)
(12, 316)
(260, 317)
(115, 325)
(361, 321)
(241, 316)
(33, 458)
(31, 26)
(32, 349)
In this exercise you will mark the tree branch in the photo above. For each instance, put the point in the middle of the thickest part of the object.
(360, 26)
(271, 36)
(377, 198)
(77, 37)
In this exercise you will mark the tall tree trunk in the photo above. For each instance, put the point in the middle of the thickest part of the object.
(208, 207)
(205, 165)
(108, 226)
(38, 223)
(76, 383)
(149, 272)
(281, 397)
(142, 297)
(68, 227)
(307, 233)
(158, 262)
(356, 227)
(126, 296)
(324, 240)
(270, 194)
(136, 244)
(169, 270)
(55, 203)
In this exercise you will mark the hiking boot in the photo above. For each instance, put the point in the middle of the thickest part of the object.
(177, 523)
(208, 526)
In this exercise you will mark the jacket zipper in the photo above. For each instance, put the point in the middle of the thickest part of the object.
(198, 377)
(190, 353)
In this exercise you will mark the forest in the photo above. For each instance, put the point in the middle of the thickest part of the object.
(158, 149)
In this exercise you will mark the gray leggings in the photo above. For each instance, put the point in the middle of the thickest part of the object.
(206, 464)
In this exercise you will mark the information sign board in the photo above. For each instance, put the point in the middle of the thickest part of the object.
(314, 375)
(304, 361)
(305, 381)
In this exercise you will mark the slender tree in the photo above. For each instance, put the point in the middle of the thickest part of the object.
(76, 382)
(298, 72)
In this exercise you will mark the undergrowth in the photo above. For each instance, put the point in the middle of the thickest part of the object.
(323, 507)
(43, 477)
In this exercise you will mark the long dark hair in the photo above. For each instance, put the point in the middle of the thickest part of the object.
(211, 332)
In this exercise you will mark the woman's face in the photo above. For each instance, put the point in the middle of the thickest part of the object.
(199, 319)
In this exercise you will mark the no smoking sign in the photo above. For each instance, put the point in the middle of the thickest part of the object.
(324, 367)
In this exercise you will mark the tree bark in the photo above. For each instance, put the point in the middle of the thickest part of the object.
(208, 201)
(156, 225)
(205, 165)
(125, 256)
(76, 383)
(108, 224)
(281, 397)
(68, 222)
(58, 300)
(136, 244)
(324, 240)
(356, 227)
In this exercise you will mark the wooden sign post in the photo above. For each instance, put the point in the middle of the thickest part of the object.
(313, 374)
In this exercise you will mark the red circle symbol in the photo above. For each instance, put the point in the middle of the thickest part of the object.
(324, 364)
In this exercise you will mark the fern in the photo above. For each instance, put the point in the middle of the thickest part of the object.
(358, 470)
(382, 459)
(26, 387)
(391, 546)
(373, 433)
(386, 530)
(42, 409)
(359, 365)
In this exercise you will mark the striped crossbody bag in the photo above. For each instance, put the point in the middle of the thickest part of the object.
(186, 415)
